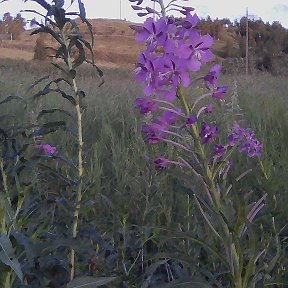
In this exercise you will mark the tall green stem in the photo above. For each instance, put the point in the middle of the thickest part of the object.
(80, 159)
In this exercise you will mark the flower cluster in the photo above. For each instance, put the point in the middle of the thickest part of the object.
(245, 140)
(175, 49)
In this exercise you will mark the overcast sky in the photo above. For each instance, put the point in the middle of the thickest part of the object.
(268, 10)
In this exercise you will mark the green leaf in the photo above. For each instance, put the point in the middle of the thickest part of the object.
(82, 10)
(43, 3)
(60, 68)
(89, 282)
(43, 92)
(48, 128)
(7, 256)
(69, 181)
(82, 57)
(26, 242)
(70, 98)
(11, 98)
(45, 29)
(51, 111)
(38, 82)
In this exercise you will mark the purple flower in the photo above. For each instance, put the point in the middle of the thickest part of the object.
(153, 32)
(170, 117)
(219, 92)
(207, 133)
(190, 21)
(49, 150)
(189, 120)
(161, 163)
(245, 140)
(145, 105)
(219, 150)
(145, 72)
(153, 132)
(252, 147)
(237, 134)
(186, 10)
(211, 78)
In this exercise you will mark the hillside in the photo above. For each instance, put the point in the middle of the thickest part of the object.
(114, 43)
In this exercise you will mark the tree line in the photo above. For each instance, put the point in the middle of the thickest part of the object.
(267, 41)
(12, 25)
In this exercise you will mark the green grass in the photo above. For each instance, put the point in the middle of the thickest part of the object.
(125, 192)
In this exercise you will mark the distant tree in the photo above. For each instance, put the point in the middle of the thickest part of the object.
(40, 51)
(2, 27)
(17, 26)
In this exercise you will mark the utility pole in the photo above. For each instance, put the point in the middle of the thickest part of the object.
(120, 9)
(247, 42)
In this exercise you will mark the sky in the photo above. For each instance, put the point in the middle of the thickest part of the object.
(268, 10)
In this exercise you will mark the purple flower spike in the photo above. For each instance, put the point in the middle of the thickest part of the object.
(252, 147)
(207, 133)
(219, 92)
(245, 140)
(49, 150)
(161, 163)
(145, 105)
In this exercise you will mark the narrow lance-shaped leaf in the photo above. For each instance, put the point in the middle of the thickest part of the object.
(43, 3)
(81, 57)
(51, 111)
(11, 98)
(48, 128)
(70, 98)
(7, 256)
(38, 82)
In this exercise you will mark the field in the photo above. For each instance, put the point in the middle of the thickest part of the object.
(129, 205)
(102, 187)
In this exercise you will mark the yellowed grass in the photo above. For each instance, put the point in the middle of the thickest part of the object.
(15, 54)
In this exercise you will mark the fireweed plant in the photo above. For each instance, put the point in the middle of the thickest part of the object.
(70, 52)
(176, 50)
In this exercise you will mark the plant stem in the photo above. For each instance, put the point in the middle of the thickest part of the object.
(80, 158)
(232, 255)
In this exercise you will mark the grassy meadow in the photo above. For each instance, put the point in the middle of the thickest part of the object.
(127, 204)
